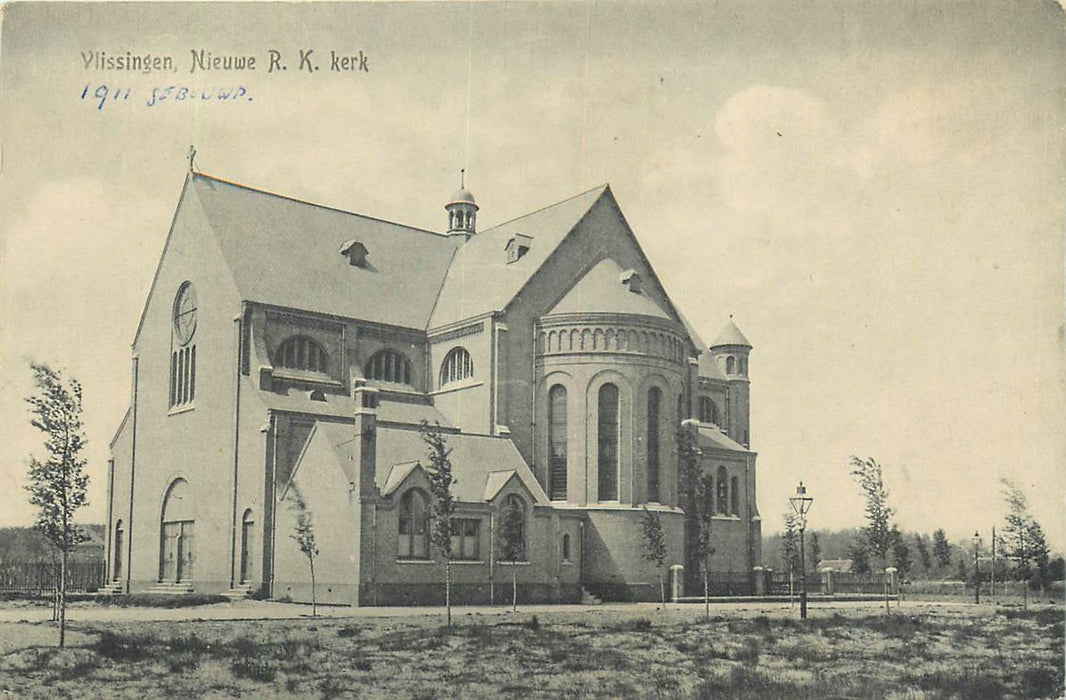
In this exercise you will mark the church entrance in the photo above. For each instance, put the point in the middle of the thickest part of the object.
(176, 534)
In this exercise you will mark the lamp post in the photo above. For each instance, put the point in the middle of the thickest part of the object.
(801, 503)
(976, 569)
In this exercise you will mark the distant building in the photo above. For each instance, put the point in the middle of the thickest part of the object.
(285, 343)
(840, 566)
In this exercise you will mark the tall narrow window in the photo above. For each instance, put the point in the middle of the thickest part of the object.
(708, 410)
(457, 366)
(734, 496)
(566, 547)
(607, 423)
(557, 418)
(413, 534)
(730, 365)
(183, 353)
(723, 491)
(655, 399)
(388, 366)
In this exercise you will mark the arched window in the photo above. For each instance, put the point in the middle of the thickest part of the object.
(566, 547)
(457, 365)
(119, 554)
(723, 491)
(183, 350)
(607, 445)
(706, 494)
(388, 366)
(557, 424)
(655, 399)
(176, 534)
(247, 549)
(513, 529)
(708, 410)
(413, 535)
(303, 353)
(730, 365)
(734, 494)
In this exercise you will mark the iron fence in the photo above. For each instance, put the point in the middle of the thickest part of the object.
(41, 577)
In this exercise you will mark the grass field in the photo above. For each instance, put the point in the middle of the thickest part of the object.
(920, 651)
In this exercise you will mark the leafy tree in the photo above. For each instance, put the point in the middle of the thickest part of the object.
(1023, 539)
(1057, 569)
(697, 499)
(923, 553)
(512, 543)
(58, 483)
(860, 559)
(304, 535)
(655, 546)
(941, 548)
(440, 488)
(901, 554)
(877, 533)
(815, 549)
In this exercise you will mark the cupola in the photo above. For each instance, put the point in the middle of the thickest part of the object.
(462, 211)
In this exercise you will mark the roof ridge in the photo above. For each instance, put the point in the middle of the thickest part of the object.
(327, 207)
(604, 186)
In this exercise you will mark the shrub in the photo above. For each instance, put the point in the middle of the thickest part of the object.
(254, 669)
(640, 624)
(120, 647)
(162, 600)
(349, 631)
(534, 623)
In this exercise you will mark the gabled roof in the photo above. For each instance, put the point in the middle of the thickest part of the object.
(479, 279)
(284, 252)
(475, 458)
(602, 290)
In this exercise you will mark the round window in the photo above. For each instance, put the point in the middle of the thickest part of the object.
(185, 313)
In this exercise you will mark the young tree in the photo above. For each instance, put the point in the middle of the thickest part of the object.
(440, 488)
(304, 535)
(790, 543)
(941, 548)
(815, 549)
(58, 483)
(655, 546)
(704, 549)
(877, 533)
(512, 543)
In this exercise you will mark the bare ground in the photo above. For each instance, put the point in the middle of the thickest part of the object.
(920, 651)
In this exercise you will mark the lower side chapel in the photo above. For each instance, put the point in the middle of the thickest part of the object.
(290, 352)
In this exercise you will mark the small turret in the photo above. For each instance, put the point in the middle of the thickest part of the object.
(462, 211)
(729, 353)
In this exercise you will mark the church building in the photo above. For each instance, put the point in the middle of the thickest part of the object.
(290, 352)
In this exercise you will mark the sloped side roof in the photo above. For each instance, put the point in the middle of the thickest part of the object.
(715, 439)
(343, 406)
(708, 368)
(480, 280)
(474, 458)
(286, 252)
(601, 290)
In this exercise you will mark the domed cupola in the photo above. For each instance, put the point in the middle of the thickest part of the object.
(730, 351)
(462, 211)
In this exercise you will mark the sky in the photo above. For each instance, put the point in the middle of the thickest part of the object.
(874, 191)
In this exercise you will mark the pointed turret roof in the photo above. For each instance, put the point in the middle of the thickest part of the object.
(731, 335)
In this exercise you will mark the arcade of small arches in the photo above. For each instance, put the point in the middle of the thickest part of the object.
(657, 343)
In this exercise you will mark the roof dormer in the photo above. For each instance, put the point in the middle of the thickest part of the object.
(632, 280)
(517, 246)
(355, 252)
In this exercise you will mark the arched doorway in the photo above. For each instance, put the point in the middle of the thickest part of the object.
(119, 544)
(246, 546)
(176, 534)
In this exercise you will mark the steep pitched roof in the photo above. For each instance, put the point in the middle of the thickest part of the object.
(479, 280)
(284, 252)
(601, 290)
(730, 335)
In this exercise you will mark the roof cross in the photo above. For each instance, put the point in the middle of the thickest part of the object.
(192, 158)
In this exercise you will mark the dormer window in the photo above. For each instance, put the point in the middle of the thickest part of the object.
(355, 252)
(632, 280)
(517, 246)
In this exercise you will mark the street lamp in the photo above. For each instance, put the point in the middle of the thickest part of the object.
(801, 503)
(976, 569)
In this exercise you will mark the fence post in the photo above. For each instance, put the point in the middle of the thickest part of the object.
(677, 582)
(760, 580)
(827, 581)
